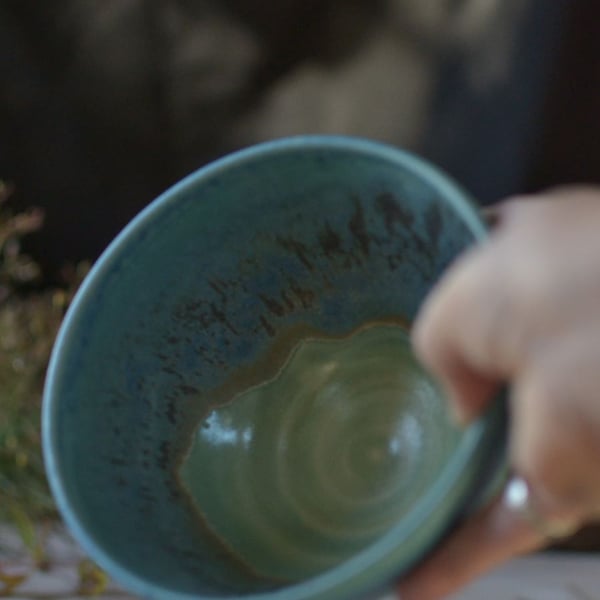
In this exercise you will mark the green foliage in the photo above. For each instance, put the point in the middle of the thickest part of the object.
(15, 267)
(27, 328)
(29, 321)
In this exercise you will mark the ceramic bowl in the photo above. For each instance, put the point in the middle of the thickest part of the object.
(217, 417)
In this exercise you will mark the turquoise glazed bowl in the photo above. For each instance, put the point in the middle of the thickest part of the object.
(232, 408)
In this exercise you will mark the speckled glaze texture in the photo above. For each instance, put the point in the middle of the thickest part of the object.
(325, 233)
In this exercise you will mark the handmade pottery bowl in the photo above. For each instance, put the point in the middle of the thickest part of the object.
(232, 407)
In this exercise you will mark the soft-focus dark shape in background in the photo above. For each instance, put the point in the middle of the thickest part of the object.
(103, 104)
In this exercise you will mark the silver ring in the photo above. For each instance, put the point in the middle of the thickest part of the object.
(518, 499)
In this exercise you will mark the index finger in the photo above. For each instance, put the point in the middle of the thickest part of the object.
(460, 333)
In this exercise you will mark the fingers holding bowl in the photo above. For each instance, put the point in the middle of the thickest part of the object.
(554, 451)
(522, 309)
(511, 525)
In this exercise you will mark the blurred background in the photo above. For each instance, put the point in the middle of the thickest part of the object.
(105, 103)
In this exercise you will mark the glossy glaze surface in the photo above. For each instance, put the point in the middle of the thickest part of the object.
(300, 473)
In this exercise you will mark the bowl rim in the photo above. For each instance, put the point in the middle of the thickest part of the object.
(378, 559)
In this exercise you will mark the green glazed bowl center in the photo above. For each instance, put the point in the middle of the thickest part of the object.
(297, 475)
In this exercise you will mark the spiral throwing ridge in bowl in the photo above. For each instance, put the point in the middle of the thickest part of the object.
(298, 474)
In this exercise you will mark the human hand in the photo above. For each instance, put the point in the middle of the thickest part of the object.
(522, 308)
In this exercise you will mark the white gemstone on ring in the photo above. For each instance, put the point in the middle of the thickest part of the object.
(518, 499)
(516, 495)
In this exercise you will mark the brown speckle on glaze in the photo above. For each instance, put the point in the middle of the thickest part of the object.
(358, 228)
(218, 286)
(272, 305)
(393, 213)
(298, 249)
(222, 317)
(306, 296)
(267, 326)
(330, 241)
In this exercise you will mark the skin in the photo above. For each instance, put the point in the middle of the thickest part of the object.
(522, 308)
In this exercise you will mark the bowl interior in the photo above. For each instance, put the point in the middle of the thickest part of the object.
(299, 474)
(202, 297)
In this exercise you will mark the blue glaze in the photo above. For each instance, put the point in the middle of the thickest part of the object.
(329, 232)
